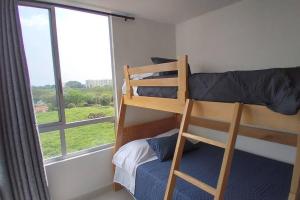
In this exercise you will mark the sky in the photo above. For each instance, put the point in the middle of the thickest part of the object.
(83, 42)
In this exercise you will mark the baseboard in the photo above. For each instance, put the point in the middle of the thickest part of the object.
(94, 194)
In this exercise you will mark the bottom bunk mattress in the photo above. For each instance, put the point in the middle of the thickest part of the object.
(252, 177)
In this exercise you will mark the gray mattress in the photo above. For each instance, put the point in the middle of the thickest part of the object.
(278, 89)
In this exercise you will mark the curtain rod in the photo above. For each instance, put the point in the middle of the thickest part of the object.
(32, 2)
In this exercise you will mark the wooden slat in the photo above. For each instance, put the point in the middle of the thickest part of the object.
(178, 150)
(261, 116)
(253, 115)
(161, 82)
(295, 183)
(162, 104)
(269, 135)
(182, 78)
(148, 129)
(210, 124)
(229, 150)
(195, 182)
(205, 140)
(213, 110)
(171, 66)
(258, 133)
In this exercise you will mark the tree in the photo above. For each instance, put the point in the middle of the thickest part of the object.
(105, 100)
(89, 99)
(46, 94)
(71, 105)
(75, 97)
(74, 84)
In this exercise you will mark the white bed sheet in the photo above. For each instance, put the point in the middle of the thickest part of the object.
(125, 174)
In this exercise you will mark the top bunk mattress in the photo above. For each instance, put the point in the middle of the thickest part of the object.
(278, 89)
(252, 177)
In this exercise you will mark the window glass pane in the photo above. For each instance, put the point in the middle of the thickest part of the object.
(85, 66)
(50, 142)
(37, 42)
(85, 60)
(89, 136)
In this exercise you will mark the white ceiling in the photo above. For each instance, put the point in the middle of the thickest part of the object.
(167, 11)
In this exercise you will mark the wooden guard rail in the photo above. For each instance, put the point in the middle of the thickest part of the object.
(180, 81)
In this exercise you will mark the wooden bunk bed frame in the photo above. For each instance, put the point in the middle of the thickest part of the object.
(248, 120)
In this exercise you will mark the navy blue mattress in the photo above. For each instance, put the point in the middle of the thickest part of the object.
(278, 89)
(252, 177)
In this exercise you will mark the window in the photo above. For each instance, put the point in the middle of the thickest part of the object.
(69, 61)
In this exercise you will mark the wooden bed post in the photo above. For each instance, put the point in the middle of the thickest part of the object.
(129, 91)
(295, 184)
(119, 135)
(182, 78)
(120, 125)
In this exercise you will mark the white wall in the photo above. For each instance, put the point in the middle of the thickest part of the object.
(251, 34)
(78, 176)
(134, 43)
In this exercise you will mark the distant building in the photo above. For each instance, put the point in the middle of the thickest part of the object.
(40, 108)
(97, 83)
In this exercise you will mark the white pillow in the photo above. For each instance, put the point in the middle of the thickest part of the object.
(135, 153)
(132, 154)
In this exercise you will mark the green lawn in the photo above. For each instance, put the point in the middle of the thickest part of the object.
(78, 138)
(50, 142)
(74, 114)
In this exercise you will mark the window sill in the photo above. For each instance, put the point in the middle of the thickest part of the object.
(75, 155)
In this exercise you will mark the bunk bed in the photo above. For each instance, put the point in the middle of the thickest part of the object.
(249, 120)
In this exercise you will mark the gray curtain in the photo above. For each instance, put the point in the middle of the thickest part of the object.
(22, 164)
(5, 192)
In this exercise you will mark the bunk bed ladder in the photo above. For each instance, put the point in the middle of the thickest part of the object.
(228, 147)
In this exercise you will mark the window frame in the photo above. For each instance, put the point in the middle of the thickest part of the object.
(61, 124)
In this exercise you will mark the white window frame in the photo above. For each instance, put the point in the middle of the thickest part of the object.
(61, 125)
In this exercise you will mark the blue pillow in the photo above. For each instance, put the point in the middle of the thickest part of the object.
(159, 60)
(164, 147)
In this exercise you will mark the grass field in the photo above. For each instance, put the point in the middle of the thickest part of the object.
(78, 138)
(74, 114)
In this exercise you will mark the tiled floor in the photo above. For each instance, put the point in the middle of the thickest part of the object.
(111, 195)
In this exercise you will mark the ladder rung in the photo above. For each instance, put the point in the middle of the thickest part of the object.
(205, 140)
(195, 182)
